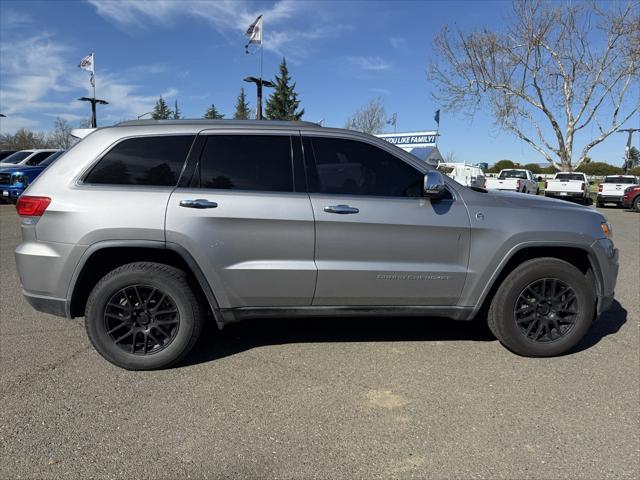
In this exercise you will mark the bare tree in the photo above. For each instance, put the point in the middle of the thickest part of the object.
(450, 157)
(369, 118)
(23, 139)
(61, 135)
(555, 69)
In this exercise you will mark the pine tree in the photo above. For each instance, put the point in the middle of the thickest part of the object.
(177, 114)
(283, 102)
(212, 113)
(161, 111)
(243, 111)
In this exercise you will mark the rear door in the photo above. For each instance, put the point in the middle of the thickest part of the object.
(246, 220)
(378, 241)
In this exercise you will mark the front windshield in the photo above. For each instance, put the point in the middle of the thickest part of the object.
(16, 157)
(50, 158)
(620, 180)
(569, 176)
(513, 174)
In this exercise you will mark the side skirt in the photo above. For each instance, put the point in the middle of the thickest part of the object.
(230, 315)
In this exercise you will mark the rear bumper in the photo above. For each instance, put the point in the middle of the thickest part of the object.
(610, 198)
(565, 194)
(50, 305)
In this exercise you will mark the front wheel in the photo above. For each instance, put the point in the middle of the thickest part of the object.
(543, 308)
(636, 204)
(143, 316)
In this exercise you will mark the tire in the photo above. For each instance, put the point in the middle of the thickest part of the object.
(150, 305)
(507, 320)
(636, 204)
(599, 204)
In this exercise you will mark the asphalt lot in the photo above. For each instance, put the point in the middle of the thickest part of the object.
(339, 398)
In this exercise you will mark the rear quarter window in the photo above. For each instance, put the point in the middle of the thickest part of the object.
(153, 160)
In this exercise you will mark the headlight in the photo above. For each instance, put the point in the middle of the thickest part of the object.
(20, 178)
(607, 230)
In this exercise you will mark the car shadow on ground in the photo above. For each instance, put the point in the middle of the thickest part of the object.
(607, 324)
(248, 334)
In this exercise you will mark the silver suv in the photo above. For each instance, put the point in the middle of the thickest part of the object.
(148, 229)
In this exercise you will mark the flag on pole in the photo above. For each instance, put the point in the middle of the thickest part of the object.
(254, 33)
(87, 64)
(436, 117)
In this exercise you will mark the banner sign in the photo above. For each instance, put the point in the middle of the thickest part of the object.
(410, 139)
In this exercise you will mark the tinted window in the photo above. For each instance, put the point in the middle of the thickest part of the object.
(350, 167)
(16, 157)
(630, 180)
(569, 176)
(143, 161)
(51, 158)
(38, 157)
(246, 162)
(513, 174)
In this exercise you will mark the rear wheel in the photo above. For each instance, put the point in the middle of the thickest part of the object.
(636, 204)
(543, 308)
(143, 316)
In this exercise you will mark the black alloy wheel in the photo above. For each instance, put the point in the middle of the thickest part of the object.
(141, 319)
(546, 310)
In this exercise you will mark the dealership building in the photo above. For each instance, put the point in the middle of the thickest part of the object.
(421, 144)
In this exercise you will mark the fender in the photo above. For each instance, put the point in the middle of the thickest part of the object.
(524, 245)
(151, 244)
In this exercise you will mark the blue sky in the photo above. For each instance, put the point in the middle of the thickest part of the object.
(341, 54)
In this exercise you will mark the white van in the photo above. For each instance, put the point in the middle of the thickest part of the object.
(467, 175)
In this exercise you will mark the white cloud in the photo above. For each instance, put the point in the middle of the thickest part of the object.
(230, 18)
(40, 80)
(369, 63)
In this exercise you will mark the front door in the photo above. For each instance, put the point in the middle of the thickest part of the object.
(378, 242)
(244, 221)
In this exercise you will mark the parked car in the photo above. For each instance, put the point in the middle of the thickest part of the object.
(14, 180)
(27, 157)
(467, 175)
(631, 198)
(5, 153)
(574, 186)
(144, 227)
(514, 180)
(612, 188)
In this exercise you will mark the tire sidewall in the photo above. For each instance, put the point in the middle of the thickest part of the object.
(518, 281)
(104, 343)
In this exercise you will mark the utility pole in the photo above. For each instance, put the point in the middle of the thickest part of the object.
(94, 101)
(259, 84)
(627, 150)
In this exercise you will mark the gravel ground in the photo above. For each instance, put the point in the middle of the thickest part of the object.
(338, 398)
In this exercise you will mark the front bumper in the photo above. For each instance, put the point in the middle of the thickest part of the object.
(606, 260)
(11, 193)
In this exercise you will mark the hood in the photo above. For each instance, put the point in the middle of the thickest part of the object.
(22, 169)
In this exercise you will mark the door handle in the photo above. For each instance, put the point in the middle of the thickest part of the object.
(341, 209)
(198, 203)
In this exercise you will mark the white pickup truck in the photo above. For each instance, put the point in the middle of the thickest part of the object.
(611, 190)
(568, 185)
(514, 180)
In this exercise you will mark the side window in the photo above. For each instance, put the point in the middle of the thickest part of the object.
(143, 161)
(38, 157)
(246, 162)
(350, 167)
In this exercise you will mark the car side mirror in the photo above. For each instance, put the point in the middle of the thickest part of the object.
(434, 186)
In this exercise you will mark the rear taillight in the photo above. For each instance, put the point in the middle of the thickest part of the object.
(584, 186)
(32, 206)
(485, 183)
(518, 184)
(600, 187)
(545, 184)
